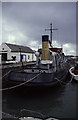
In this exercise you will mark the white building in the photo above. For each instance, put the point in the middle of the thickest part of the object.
(17, 53)
(0, 59)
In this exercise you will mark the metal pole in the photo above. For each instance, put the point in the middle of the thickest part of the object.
(51, 32)
(20, 54)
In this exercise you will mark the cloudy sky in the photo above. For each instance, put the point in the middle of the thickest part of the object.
(24, 23)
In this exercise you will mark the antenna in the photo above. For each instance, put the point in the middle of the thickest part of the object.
(50, 29)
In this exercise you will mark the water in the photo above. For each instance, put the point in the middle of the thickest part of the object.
(58, 102)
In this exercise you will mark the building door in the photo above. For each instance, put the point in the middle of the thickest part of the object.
(21, 58)
(4, 56)
(25, 58)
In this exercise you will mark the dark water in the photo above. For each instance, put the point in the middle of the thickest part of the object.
(59, 102)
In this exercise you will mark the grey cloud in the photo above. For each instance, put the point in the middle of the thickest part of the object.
(32, 18)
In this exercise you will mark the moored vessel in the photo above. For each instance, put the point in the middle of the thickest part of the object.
(50, 68)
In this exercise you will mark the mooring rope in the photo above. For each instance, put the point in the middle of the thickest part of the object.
(21, 83)
(5, 74)
(71, 79)
(62, 82)
(59, 80)
(32, 112)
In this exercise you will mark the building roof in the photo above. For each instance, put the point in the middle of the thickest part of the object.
(18, 48)
(56, 49)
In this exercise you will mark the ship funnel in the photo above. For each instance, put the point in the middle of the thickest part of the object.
(45, 48)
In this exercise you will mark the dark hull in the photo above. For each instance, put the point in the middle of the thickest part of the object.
(37, 79)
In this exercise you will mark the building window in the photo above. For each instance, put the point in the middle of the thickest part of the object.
(28, 57)
(4, 56)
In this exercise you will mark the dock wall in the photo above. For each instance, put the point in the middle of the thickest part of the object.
(7, 68)
(17, 66)
(0, 59)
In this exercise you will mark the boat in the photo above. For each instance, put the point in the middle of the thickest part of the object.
(74, 72)
(50, 68)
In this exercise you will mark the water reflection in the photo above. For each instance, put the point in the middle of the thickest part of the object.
(55, 102)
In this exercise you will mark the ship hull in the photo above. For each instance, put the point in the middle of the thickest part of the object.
(37, 79)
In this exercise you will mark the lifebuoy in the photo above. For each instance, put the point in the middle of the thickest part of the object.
(76, 72)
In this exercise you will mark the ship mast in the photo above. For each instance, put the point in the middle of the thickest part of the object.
(50, 29)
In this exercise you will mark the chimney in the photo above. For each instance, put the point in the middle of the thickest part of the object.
(45, 48)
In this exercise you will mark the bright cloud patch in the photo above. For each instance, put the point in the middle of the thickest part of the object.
(68, 48)
(11, 34)
(33, 43)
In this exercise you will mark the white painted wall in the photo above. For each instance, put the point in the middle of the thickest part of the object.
(0, 59)
(26, 56)
(33, 57)
(4, 48)
(17, 54)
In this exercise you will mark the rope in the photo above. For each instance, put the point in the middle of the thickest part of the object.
(71, 79)
(20, 84)
(64, 83)
(32, 112)
(5, 75)
(60, 80)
